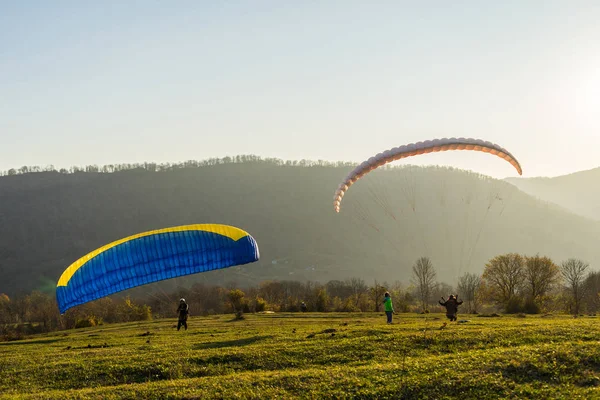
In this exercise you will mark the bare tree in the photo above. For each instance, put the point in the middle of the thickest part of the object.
(358, 288)
(424, 277)
(573, 271)
(377, 291)
(504, 276)
(441, 289)
(541, 274)
(592, 292)
(5, 314)
(42, 309)
(468, 287)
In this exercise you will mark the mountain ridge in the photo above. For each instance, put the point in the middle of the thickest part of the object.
(387, 220)
(578, 191)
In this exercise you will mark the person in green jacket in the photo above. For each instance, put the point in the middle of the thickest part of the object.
(389, 307)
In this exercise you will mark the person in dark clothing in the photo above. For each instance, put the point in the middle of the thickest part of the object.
(451, 306)
(183, 311)
(303, 307)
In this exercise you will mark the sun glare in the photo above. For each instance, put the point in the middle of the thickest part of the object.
(588, 96)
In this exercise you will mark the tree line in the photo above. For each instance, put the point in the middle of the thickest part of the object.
(170, 166)
(515, 283)
(510, 283)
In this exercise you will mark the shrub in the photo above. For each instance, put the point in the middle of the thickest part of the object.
(514, 305)
(260, 304)
(87, 322)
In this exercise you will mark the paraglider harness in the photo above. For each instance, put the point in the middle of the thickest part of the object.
(183, 311)
(451, 306)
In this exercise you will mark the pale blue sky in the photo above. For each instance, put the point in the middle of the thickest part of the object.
(99, 82)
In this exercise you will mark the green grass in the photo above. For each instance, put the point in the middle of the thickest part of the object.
(311, 356)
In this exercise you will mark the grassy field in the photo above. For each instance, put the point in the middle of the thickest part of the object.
(311, 356)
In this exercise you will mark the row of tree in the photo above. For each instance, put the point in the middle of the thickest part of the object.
(171, 166)
(510, 283)
(37, 312)
(516, 283)
(159, 167)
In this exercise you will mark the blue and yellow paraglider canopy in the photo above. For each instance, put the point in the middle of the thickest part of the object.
(153, 256)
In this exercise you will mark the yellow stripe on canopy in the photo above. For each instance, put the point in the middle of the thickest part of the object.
(224, 230)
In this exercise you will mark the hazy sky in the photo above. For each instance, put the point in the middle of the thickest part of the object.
(99, 82)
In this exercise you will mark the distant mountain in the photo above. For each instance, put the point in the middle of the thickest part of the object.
(387, 220)
(578, 192)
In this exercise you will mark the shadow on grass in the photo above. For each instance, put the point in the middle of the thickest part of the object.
(231, 343)
(527, 372)
(582, 371)
(315, 315)
(25, 343)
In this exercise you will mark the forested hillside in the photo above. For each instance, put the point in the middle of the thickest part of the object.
(578, 192)
(387, 220)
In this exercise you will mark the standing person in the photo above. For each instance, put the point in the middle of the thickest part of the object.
(183, 311)
(389, 307)
(451, 306)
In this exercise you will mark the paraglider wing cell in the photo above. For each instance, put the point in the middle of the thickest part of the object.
(153, 256)
(419, 148)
